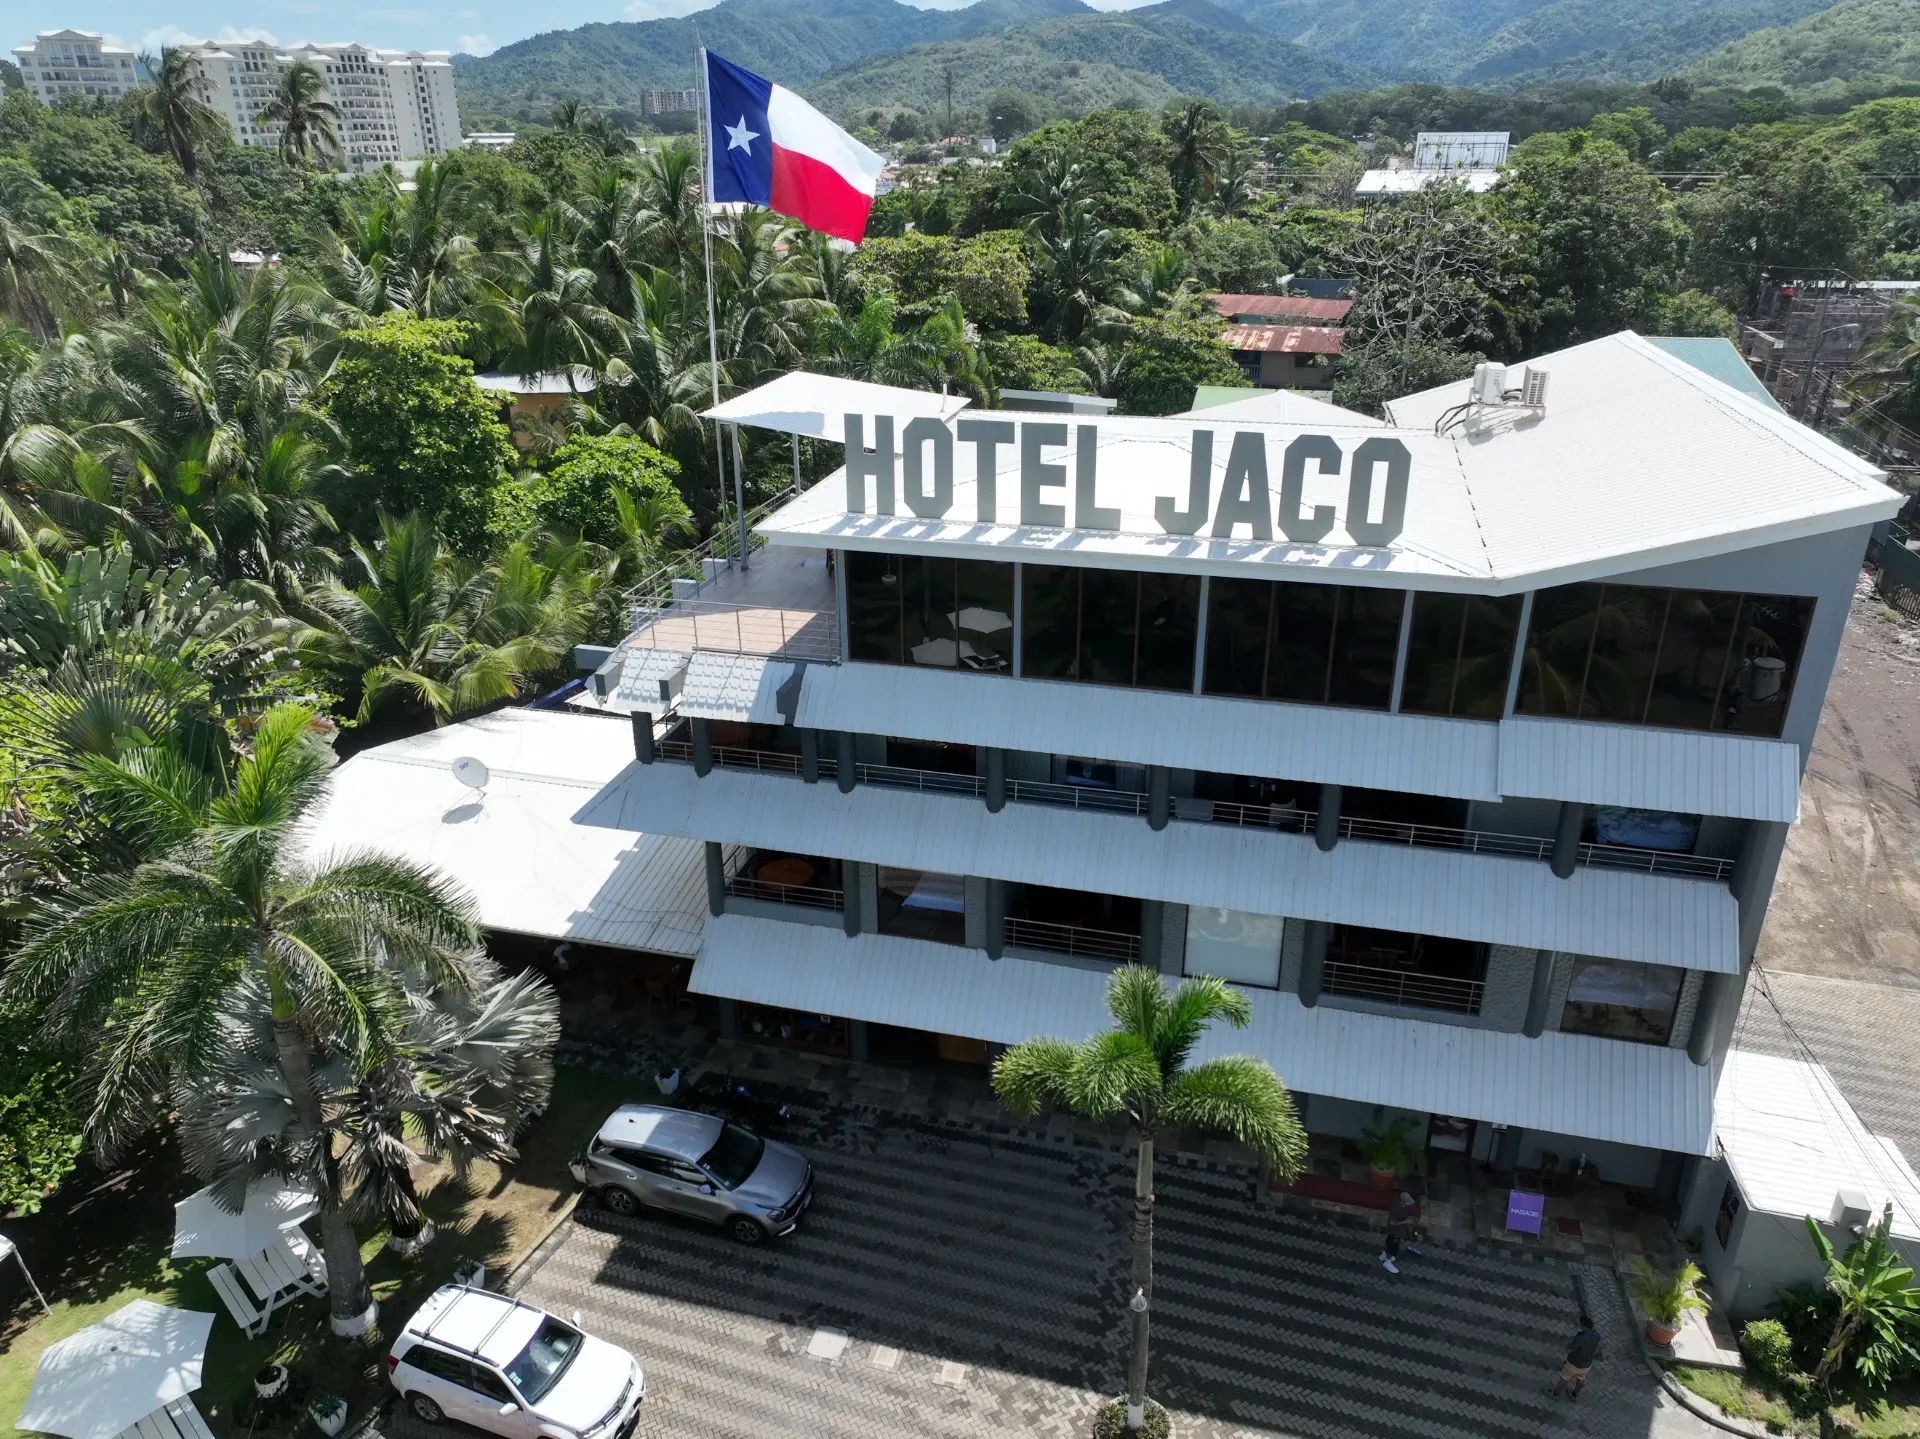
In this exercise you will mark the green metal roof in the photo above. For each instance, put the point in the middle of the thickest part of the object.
(1717, 357)
(1205, 397)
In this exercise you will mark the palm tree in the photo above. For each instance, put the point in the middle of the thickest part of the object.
(149, 963)
(1889, 377)
(668, 211)
(1878, 1311)
(865, 346)
(567, 115)
(172, 107)
(37, 271)
(1139, 1069)
(557, 316)
(309, 122)
(1200, 141)
(1079, 273)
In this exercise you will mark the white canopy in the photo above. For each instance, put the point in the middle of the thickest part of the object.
(110, 1375)
(202, 1227)
(801, 403)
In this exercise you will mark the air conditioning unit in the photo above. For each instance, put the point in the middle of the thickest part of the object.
(1852, 1211)
(1534, 393)
(1489, 384)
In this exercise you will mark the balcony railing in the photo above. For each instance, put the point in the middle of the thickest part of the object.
(1072, 939)
(811, 896)
(1395, 986)
(1255, 816)
(687, 625)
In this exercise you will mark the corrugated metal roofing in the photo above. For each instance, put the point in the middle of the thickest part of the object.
(1285, 407)
(1614, 913)
(1561, 1083)
(1637, 459)
(1794, 1142)
(1736, 776)
(1376, 184)
(1301, 309)
(733, 687)
(1284, 339)
(516, 848)
(1313, 743)
(801, 403)
(1716, 356)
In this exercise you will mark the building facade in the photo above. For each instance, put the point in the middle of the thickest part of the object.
(1466, 743)
(79, 63)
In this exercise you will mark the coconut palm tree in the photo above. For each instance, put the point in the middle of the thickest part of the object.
(567, 115)
(1200, 141)
(1139, 1069)
(148, 964)
(557, 317)
(668, 213)
(309, 122)
(172, 108)
(1078, 267)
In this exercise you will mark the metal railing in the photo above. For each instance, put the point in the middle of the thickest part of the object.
(1393, 986)
(932, 781)
(655, 590)
(742, 629)
(1072, 939)
(1075, 796)
(811, 896)
(1259, 816)
(1655, 861)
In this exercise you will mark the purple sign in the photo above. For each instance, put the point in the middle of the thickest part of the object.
(1525, 1211)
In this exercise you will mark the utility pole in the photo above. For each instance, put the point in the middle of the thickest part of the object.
(949, 100)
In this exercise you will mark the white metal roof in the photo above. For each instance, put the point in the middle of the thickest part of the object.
(1637, 459)
(1737, 776)
(516, 848)
(802, 403)
(1794, 1142)
(1423, 753)
(1562, 1083)
(1294, 407)
(1381, 183)
(1614, 913)
(733, 687)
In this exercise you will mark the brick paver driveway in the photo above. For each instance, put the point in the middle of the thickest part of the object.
(979, 1282)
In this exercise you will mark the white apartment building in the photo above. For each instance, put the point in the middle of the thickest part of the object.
(75, 62)
(394, 104)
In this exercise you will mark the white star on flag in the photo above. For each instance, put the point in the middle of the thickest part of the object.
(739, 137)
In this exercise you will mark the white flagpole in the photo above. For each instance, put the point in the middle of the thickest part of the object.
(713, 329)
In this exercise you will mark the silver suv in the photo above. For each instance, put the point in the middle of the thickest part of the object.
(647, 1156)
(512, 1370)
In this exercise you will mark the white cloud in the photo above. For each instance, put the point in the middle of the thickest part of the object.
(153, 41)
(663, 9)
(474, 44)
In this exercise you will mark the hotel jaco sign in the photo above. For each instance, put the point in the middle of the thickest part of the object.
(1242, 499)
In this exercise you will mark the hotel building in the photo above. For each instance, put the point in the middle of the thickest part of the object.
(60, 63)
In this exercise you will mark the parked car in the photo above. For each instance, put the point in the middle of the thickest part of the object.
(512, 1370)
(676, 1161)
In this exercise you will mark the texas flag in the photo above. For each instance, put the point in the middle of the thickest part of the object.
(767, 146)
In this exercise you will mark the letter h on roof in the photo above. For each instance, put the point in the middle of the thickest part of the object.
(877, 466)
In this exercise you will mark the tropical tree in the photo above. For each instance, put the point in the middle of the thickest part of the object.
(1139, 1069)
(1200, 142)
(149, 964)
(172, 109)
(309, 122)
(1879, 1307)
(567, 115)
(1889, 374)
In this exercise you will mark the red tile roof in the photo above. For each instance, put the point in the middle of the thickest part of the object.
(1283, 308)
(1284, 339)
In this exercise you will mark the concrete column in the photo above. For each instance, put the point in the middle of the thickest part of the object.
(1506, 1149)
(996, 779)
(1313, 963)
(702, 732)
(1153, 926)
(1326, 825)
(1566, 838)
(643, 736)
(996, 918)
(857, 1039)
(716, 879)
(846, 758)
(1541, 995)
(1718, 995)
(810, 752)
(1159, 795)
(728, 1029)
(850, 897)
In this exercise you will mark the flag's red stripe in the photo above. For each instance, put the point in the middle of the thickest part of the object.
(816, 196)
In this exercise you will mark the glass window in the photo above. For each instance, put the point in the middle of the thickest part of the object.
(1238, 615)
(1109, 622)
(1691, 671)
(1626, 643)
(984, 619)
(1618, 999)
(538, 1367)
(1302, 642)
(1169, 626)
(1459, 654)
(1366, 644)
(1771, 631)
(734, 1156)
(1559, 638)
(1050, 622)
(926, 602)
(873, 607)
(1728, 1212)
(920, 904)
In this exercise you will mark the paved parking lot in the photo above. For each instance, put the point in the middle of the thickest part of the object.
(978, 1282)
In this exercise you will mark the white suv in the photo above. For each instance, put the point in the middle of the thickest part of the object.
(512, 1370)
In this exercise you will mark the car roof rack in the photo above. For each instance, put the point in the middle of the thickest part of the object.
(476, 1351)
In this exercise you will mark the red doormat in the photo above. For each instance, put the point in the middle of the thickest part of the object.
(1340, 1191)
(1567, 1225)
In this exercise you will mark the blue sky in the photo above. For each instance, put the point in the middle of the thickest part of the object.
(473, 25)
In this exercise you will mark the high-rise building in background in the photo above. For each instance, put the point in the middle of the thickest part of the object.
(394, 104)
(74, 62)
(669, 102)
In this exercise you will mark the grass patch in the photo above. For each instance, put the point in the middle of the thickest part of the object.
(98, 1244)
(1893, 1415)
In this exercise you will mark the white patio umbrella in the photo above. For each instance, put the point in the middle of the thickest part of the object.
(110, 1375)
(201, 1226)
(981, 621)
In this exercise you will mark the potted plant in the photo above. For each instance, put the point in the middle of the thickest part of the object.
(1388, 1153)
(1666, 1298)
(328, 1413)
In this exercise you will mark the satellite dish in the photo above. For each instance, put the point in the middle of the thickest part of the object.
(471, 772)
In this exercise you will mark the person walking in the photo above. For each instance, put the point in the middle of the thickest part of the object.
(1401, 1213)
(1582, 1350)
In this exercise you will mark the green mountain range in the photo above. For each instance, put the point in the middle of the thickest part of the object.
(1857, 46)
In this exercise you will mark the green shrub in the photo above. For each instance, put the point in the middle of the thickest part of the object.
(1769, 1350)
